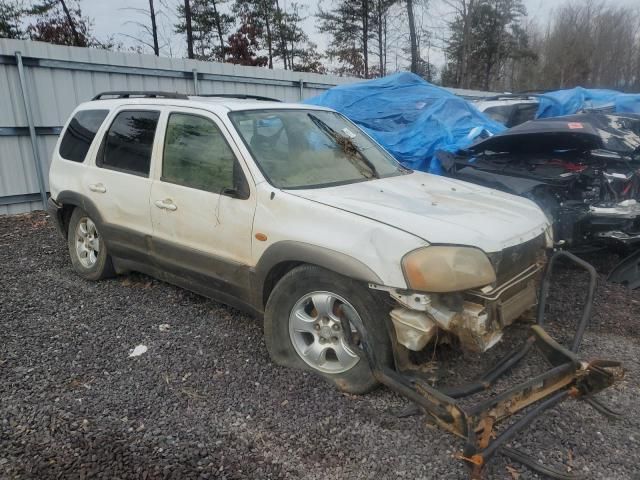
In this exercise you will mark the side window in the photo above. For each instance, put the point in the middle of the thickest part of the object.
(197, 155)
(523, 113)
(129, 141)
(80, 133)
(500, 113)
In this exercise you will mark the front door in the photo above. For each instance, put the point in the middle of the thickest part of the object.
(202, 207)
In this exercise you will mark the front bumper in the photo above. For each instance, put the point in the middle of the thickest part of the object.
(477, 319)
(568, 377)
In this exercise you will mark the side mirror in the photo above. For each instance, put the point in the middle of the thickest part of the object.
(239, 191)
(231, 192)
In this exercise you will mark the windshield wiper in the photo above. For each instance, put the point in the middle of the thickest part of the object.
(352, 151)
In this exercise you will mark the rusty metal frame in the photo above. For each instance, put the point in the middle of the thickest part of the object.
(567, 377)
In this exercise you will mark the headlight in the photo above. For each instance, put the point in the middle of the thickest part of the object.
(442, 269)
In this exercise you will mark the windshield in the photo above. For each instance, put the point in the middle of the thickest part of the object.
(311, 148)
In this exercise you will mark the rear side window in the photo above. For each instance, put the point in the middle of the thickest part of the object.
(129, 141)
(80, 133)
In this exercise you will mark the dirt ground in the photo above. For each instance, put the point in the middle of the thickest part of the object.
(204, 401)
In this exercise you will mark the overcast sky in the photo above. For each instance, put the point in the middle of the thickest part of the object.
(117, 17)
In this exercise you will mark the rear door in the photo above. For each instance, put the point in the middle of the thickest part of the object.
(119, 183)
(202, 206)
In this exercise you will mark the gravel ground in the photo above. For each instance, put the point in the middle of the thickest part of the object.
(205, 402)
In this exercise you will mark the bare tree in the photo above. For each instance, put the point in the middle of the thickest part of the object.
(592, 44)
(72, 25)
(154, 28)
(152, 34)
(412, 36)
(187, 19)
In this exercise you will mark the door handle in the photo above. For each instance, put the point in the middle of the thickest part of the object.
(166, 204)
(97, 187)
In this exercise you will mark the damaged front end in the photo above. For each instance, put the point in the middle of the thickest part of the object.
(582, 170)
(419, 319)
(474, 318)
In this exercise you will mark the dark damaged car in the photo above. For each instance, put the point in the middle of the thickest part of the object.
(582, 170)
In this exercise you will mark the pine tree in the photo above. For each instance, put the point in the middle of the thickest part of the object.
(56, 23)
(209, 27)
(349, 31)
(484, 36)
(10, 19)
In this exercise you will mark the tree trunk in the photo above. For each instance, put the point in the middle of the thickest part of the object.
(385, 45)
(380, 39)
(283, 43)
(187, 20)
(365, 36)
(269, 47)
(487, 73)
(219, 29)
(76, 37)
(412, 37)
(154, 28)
(466, 43)
(292, 56)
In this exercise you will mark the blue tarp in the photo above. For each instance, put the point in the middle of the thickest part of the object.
(410, 117)
(627, 103)
(573, 100)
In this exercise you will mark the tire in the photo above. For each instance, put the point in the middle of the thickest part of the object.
(293, 325)
(83, 238)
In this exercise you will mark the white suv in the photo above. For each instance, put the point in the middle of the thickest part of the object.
(294, 213)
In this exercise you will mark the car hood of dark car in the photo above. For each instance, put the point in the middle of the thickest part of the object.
(586, 131)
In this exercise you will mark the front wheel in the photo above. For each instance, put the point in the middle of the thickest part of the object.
(304, 327)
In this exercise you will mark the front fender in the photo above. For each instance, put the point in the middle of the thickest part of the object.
(299, 252)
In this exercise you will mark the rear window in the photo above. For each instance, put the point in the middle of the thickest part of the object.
(80, 133)
(129, 141)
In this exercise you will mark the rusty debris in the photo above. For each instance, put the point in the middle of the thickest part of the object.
(568, 377)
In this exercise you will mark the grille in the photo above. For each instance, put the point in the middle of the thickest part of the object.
(513, 260)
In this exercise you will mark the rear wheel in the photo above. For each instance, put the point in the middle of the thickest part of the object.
(87, 250)
(304, 327)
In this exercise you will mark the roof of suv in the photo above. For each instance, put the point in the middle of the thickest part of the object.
(220, 104)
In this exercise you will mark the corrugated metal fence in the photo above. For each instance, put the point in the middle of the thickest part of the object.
(46, 82)
(41, 84)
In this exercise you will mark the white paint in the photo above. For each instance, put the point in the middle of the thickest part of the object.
(439, 210)
(376, 222)
(203, 221)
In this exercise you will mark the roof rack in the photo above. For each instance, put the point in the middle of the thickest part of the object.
(140, 94)
(243, 96)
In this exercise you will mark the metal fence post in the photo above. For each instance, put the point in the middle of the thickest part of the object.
(301, 89)
(196, 88)
(32, 130)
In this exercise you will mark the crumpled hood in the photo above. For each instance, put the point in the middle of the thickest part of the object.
(439, 210)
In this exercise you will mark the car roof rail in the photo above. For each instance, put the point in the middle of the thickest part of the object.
(241, 96)
(139, 94)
